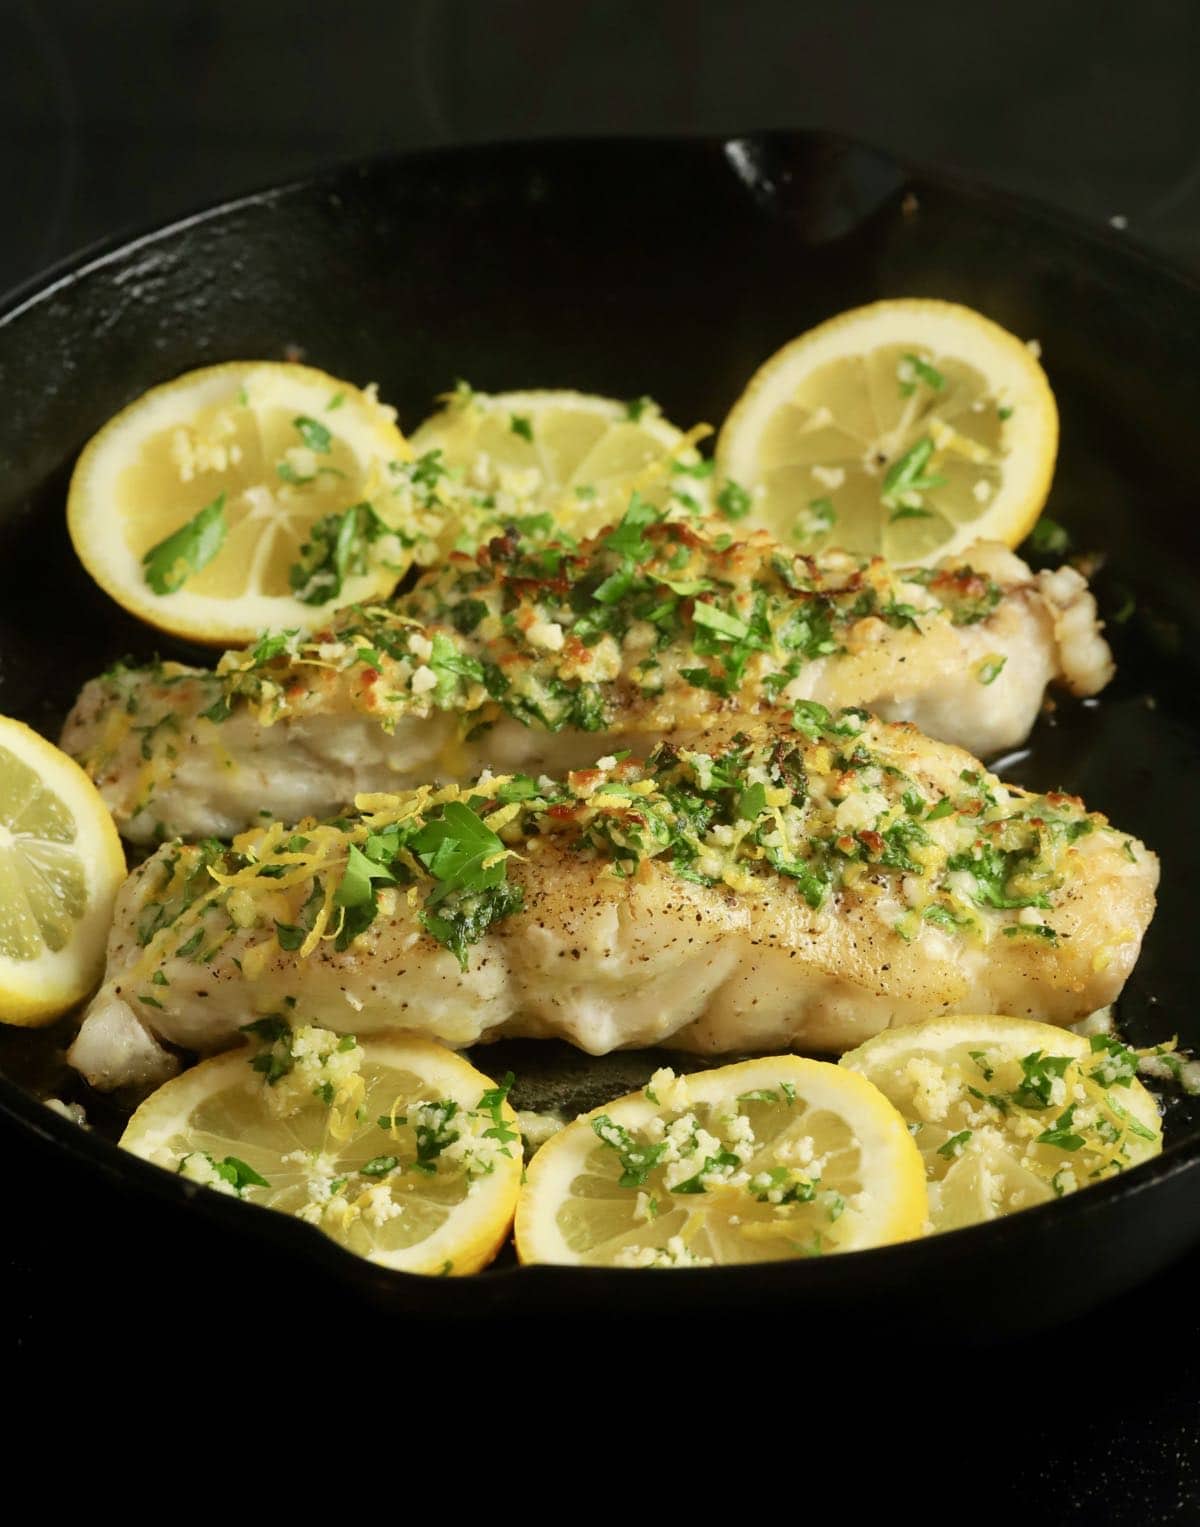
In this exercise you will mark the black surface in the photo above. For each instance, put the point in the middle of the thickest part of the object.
(141, 111)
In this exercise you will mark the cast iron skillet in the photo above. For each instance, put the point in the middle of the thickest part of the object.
(674, 268)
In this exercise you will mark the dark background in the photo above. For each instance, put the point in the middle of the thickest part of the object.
(128, 112)
(118, 114)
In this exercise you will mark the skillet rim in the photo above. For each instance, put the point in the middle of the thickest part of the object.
(87, 257)
(906, 1259)
(120, 1168)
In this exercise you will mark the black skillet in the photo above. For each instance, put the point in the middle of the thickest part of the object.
(673, 268)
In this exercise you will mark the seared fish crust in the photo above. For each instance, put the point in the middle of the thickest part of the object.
(786, 887)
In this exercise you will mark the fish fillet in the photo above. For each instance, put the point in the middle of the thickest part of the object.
(781, 889)
(540, 659)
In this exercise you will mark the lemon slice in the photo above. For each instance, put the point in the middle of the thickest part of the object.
(755, 1162)
(567, 454)
(193, 505)
(60, 867)
(1008, 1113)
(397, 1148)
(909, 428)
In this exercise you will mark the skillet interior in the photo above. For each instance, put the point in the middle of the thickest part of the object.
(672, 268)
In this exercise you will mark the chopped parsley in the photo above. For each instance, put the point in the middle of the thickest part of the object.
(812, 718)
(239, 1175)
(781, 1185)
(1041, 931)
(637, 1160)
(991, 667)
(1048, 538)
(220, 710)
(355, 886)
(379, 1166)
(905, 479)
(914, 369)
(465, 860)
(730, 627)
(190, 948)
(733, 500)
(492, 1103)
(1117, 1066)
(695, 1183)
(168, 565)
(998, 875)
(698, 469)
(272, 644)
(233, 1170)
(275, 1060)
(468, 862)
(434, 1132)
(292, 935)
(1039, 1072)
(1061, 1133)
(817, 520)
(339, 547)
(314, 434)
